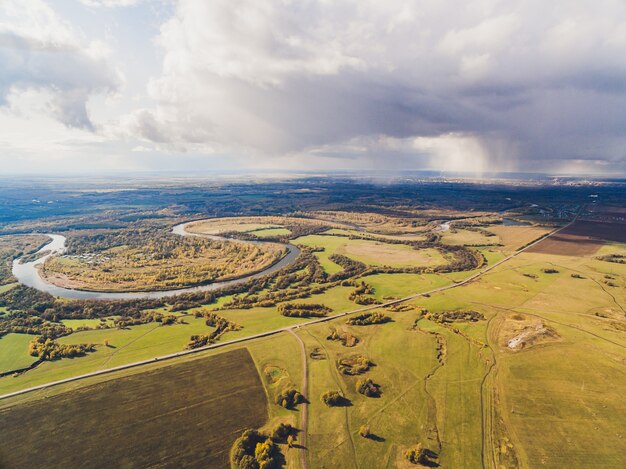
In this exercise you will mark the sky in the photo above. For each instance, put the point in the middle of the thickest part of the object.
(90, 86)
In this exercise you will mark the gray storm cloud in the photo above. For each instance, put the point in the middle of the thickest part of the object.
(526, 82)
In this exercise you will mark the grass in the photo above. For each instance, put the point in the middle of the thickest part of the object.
(467, 237)
(278, 361)
(90, 323)
(269, 232)
(369, 252)
(514, 237)
(401, 285)
(14, 352)
(550, 405)
(151, 340)
(188, 414)
(125, 346)
(225, 225)
(7, 287)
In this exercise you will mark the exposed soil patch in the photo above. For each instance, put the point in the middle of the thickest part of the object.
(567, 245)
(182, 415)
(582, 238)
(521, 334)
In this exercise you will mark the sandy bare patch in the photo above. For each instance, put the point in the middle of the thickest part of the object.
(520, 332)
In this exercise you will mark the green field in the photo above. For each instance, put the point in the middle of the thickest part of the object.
(89, 323)
(269, 232)
(401, 285)
(175, 416)
(369, 252)
(14, 352)
(7, 287)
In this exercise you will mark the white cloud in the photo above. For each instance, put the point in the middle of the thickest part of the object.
(41, 50)
(110, 3)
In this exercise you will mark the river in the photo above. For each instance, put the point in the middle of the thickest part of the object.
(28, 274)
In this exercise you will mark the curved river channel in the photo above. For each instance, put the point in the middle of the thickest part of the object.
(28, 274)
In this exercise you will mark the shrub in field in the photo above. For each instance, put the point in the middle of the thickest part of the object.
(368, 388)
(289, 398)
(366, 319)
(253, 450)
(334, 399)
(303, 310)
(550, 271)
(48, 349)
(361, 292)
(346, 338)
(421, 455)
(222, 325)
(283, 431)
(354, 365)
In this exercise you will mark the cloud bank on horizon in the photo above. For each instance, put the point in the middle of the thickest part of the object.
(475, 85)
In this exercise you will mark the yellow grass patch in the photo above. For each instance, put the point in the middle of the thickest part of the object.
(514, 237)
(375, 253)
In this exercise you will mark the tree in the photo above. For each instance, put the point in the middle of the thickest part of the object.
(418, 455)
(364, 431)
(334, 398)
(248, 462)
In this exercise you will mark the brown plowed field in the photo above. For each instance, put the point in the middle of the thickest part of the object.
(582, 238)
(184, 415)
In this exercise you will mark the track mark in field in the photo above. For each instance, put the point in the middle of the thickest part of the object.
(486, 410)
(442, 354)
(305, 405)
(333, 372)
(617, 303)
(127, 344)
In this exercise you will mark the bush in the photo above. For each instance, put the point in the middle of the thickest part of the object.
(48, 349)
(354, 365)
(283, 431)
(416, 455)
(366, 319)
(222, 326)
(550, 271)
(420, 455)
(303, 310)
(289, 397)
(368, 388)
(334, 399)
(168, 320)
(346, 338)
(253, 450)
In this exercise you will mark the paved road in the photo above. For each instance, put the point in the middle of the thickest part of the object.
(304, 421)
(287, 328)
